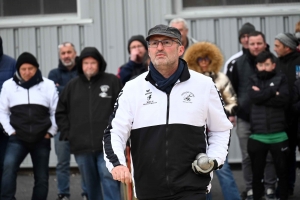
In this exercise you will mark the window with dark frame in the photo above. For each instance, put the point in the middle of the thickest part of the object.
(204, 3)
(36, 7)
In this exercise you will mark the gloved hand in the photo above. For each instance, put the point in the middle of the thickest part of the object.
(203, 164)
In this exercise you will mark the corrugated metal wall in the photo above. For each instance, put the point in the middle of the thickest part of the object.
(115, 21)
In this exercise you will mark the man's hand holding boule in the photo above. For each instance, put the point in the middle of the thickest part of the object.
(203, 164)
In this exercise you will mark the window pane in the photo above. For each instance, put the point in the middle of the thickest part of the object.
(60, 6)
(21, 7)
(197, 3)
(200, 3)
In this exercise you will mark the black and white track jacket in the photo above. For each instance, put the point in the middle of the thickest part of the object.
(29, 112)
(167, 132)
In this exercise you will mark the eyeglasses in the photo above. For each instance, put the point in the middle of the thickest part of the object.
(206, 59)
(165, 43)
(137, 47)
(65, 44)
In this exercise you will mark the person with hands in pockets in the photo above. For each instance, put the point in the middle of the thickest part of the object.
(165, 112)
(27, 106)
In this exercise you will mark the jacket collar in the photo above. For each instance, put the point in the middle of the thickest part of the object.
(185, 75)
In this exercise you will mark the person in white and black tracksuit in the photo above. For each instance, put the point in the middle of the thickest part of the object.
(82, 115)
(269, 94)
(165, 112)
(27, 106)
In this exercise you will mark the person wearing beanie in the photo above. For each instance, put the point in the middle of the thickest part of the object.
(289, 64)
(243, 39)
(243, 68)
(8, 68)
(27, 106)
(138, 61)
(82, 114)
(206, 58)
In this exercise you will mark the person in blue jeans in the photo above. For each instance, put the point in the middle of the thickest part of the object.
(82, 114)
(61, 75)
(7, 70)
(27, 106)
(206, 58)
(227, 183)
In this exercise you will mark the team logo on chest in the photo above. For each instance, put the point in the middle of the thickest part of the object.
(187, 97)
(104, 89)
(149, 100)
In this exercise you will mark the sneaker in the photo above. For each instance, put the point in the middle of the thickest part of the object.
(249, 195)
(270, 194)
(62, 197)
(84, 197)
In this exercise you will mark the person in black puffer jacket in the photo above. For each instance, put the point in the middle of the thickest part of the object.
(269, 94)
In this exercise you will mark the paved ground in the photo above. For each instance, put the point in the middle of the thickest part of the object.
(25, 184)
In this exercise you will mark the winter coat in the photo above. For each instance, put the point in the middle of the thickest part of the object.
(131, 70)
(238, 72)
(84, 106)
(290, 66)
(206, 49)
(296, 107)
(267, 110)
(61, 75)
(7, 66)
(166, 132)
(29, 112)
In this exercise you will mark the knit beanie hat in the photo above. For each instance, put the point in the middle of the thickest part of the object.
(288, 40)
(26, 58)
(139, 38)
(246, 29)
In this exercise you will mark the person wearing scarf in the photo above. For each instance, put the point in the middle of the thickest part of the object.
(27, 106)
(165, 113)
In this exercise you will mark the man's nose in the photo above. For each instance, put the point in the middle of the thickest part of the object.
(160, 45)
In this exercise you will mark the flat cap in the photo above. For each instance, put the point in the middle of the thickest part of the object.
(164, 30)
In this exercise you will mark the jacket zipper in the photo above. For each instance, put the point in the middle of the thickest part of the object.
(29, 113)
(167, 143)
(91, 124)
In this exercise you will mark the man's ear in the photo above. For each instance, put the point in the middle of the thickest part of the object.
(274, 65)
(181, 50)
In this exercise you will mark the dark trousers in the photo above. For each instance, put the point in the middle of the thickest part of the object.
(184, 196)
(3, 144)
(16, 151)
(292, 135)
(258, 153)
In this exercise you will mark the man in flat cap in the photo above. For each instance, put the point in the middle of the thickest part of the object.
(285, 46)
(178, 130)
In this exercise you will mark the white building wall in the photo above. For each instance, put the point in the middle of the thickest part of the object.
(108, 25)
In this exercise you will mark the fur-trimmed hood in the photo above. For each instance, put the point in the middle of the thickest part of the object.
(203, 49)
